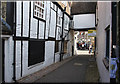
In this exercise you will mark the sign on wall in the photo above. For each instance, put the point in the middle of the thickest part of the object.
(91, 33)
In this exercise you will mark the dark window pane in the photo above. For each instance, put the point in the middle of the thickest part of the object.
(107, 42)
(36, 52)
(56, 46)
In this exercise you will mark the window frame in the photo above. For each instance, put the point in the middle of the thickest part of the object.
(31, 53)
(35, 16)
(107, 43)
(57, 46)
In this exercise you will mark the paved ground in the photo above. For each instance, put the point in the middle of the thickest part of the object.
(83, 52)
(76, 69)
(79, 69)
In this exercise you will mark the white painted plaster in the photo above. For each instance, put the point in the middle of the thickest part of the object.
(47, 19)
(52, 24)
(104, 16)
(57, 57)
(49, 52)
(34, 22)
(49, 58)
(41, 29)
(25, 58)
(18, 60)
(25, 18)
(53, 6)
(9, 59)
(60, 12)
(49, 45)
(18, 18)
(84, 21)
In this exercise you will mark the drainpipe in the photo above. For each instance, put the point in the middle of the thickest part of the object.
(11, 20)
(62, 39)
(14, 54)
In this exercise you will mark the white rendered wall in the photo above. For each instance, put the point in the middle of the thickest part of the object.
(84, 21)
(75, 41)
(33, 34)
(34, 22)
(9, 44)
(49, 53)
(41, 29)
(47, 19)
(57, 57)
(49, 58)
(52, 24)
(18, 18)
(57, 54)
(25, 18)
(18, 60)
(49, 45)
(104, 16)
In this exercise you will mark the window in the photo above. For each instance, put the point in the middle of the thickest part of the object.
(107, 43)
(39, 9)
(58, 20)
(64, 2)
(58, 33)
(65, 46)
(66, 22)
(36, 52)
(56, 46)
(53, 6)
(59, 17)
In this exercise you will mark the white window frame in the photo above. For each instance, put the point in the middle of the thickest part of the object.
(39, 10)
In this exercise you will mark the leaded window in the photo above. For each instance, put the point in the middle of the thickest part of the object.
(39, 9)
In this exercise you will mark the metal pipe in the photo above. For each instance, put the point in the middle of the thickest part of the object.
(62, 39)
(14, 58)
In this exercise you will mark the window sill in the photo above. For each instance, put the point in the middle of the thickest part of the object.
(106, 63)
(32, 66)
(57, 53)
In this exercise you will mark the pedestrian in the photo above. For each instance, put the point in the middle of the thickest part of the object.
(90, 49)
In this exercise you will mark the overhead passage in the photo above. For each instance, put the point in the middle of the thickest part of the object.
(83, 8)
(83, 15)
(84, 21)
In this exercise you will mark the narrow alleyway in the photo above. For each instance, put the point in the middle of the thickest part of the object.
(80, 68)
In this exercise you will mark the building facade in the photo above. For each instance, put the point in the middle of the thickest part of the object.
(39, 30)
(107, 45)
